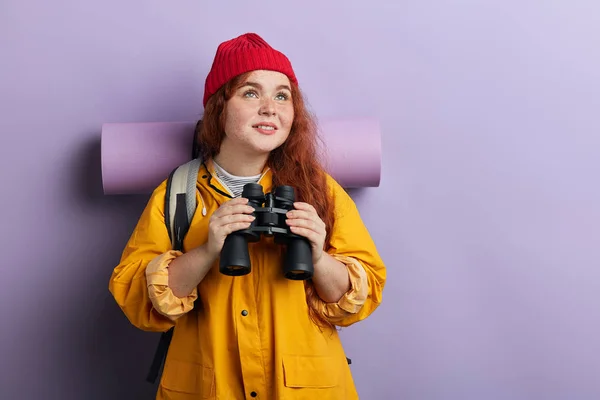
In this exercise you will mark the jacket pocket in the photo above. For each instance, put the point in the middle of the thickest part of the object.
(190, 378)
(310, 371)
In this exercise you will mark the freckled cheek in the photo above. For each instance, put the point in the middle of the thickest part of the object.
(287, 118)
(236, 122)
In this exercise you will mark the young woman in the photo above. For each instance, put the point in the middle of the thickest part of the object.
(258, 335)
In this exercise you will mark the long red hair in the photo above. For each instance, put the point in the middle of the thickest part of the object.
(296, 162)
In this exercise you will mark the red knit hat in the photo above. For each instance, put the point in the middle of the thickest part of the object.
(245, 53)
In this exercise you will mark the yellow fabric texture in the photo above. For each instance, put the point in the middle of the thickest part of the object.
(252, 333)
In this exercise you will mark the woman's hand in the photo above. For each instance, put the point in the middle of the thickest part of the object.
(305, 221)
(231, 216)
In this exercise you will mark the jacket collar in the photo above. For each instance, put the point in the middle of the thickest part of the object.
(207, 177)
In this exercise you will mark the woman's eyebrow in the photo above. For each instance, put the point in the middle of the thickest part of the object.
(259, 86)
(253, 84)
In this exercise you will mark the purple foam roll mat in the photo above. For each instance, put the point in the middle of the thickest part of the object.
(137, 157)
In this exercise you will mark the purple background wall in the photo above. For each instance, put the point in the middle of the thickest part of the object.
(487, 215)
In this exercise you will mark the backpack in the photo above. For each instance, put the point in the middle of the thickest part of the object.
(180, 207)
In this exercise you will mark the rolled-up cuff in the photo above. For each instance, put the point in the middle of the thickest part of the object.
(161, 295)
(353, 300)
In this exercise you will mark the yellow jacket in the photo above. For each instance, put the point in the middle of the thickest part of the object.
(248, 336)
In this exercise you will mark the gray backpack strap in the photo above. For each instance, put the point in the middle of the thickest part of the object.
(180, 201)
(180, 206)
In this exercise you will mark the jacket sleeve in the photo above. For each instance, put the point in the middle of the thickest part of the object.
(352, 245)
(139, 283)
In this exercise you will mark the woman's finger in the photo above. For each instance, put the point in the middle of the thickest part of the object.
(235, 226)
(227, 219)
(305, 223)
(312, 236)
(307, 215)
(304, 206)
(234, 209)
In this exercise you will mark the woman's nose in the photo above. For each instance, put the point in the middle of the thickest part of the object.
(267, 107)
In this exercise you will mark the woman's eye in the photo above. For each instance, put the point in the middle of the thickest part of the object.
(282, 96)
(250, 93)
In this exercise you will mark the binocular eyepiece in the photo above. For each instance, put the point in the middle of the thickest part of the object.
(270, 211)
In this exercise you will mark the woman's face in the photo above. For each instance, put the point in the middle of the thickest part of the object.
(259, 115)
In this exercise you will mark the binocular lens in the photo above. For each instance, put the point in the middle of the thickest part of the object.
(253, 191)
(285, 192)
(235, 259)
(298, 260)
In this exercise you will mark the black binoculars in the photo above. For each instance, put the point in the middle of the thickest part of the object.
(270, 211)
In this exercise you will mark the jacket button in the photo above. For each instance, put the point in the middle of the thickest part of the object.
(244, 313)
(253, 394)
